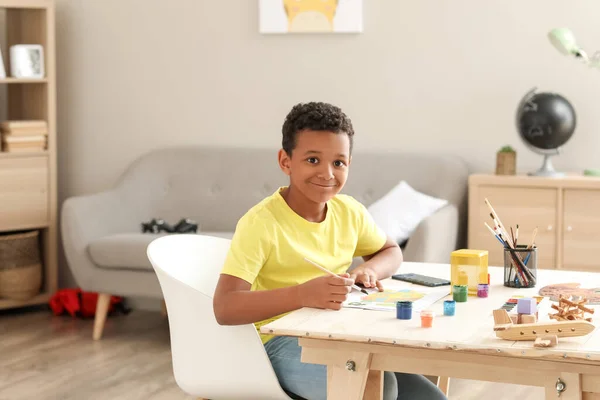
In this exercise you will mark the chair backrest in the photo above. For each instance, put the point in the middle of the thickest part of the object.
(209, 360)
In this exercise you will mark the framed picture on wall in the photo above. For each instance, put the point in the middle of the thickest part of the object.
(27, 61)
(311, 16)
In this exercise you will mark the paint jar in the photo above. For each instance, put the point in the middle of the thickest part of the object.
(460, 293)
(483, 290)
(449, 307)
(427, 318)
(404, 309)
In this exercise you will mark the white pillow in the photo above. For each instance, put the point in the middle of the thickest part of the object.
(399, 212)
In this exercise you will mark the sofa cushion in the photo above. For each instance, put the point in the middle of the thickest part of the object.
(128, 250)
(401, 210)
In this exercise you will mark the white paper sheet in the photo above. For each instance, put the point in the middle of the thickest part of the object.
(422, 298)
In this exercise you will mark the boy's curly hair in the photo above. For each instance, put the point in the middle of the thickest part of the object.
(316, 116)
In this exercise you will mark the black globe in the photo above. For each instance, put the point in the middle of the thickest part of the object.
(545, 121)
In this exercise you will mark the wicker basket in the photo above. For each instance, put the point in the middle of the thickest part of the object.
(20, 266)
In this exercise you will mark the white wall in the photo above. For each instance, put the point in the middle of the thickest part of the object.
(423, 76)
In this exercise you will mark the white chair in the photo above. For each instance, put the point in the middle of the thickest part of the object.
(209, 360)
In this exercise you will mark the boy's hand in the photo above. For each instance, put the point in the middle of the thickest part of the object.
(325, 292)
(366, 276)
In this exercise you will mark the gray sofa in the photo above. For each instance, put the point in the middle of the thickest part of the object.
(106, 250)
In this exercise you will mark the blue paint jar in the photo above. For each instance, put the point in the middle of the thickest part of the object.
(449, 307)
(404, 309)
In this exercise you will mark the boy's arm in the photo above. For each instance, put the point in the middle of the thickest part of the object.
(381, 261)
(235, 304)
(379, 265)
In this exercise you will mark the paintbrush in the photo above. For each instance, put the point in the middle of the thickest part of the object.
(520, 267)
(533, 238)
(332, 274)
(500, 224)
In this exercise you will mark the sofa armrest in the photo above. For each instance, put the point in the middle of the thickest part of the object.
(435, 237)
(87, 218)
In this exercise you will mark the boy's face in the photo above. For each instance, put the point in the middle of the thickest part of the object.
(318, 166)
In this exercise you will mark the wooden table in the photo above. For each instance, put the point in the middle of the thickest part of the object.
(357, 345)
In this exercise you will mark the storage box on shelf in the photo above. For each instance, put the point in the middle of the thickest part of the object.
(28, 192)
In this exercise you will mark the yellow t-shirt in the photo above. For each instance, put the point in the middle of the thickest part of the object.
(271, 241)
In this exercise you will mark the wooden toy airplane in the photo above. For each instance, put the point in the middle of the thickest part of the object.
(505, 329)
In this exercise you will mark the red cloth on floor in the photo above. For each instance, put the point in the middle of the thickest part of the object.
(78, 303)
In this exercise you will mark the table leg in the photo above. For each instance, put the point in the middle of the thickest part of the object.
(348, 381)
(443, 382)
(564, 386)
(374, 386)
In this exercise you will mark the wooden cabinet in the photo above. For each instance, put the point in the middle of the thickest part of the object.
(565, 211)
(581, 233)
(23, 192)
(28, 183)
(527, 207)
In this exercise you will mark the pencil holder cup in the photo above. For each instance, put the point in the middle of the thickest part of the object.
(520, 267)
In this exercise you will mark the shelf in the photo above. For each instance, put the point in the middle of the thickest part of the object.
(24, 227)
(28, 177)
(20, 4)
(20, 154)
(41, 298)
(23, 80)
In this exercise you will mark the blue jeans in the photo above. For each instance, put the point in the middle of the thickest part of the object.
(309, 381)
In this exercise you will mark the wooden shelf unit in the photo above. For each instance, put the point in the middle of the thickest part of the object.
(28, 180)
(565, 210)
(26, 154)
(23, 80)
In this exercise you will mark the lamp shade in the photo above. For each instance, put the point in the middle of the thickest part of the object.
(564, 41)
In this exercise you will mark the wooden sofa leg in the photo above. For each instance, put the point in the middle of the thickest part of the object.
(443, 383)
(101, 311)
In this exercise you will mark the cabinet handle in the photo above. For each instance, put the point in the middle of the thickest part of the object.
(549, 228)
(569, 228)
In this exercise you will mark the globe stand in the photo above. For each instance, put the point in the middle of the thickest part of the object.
(547, 168)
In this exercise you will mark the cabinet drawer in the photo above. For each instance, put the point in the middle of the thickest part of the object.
(23, 192)
(581, 232)
(526, 206)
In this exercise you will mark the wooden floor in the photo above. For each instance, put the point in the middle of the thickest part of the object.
(47, 357)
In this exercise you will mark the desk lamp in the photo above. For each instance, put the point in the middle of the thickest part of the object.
(564, 41)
